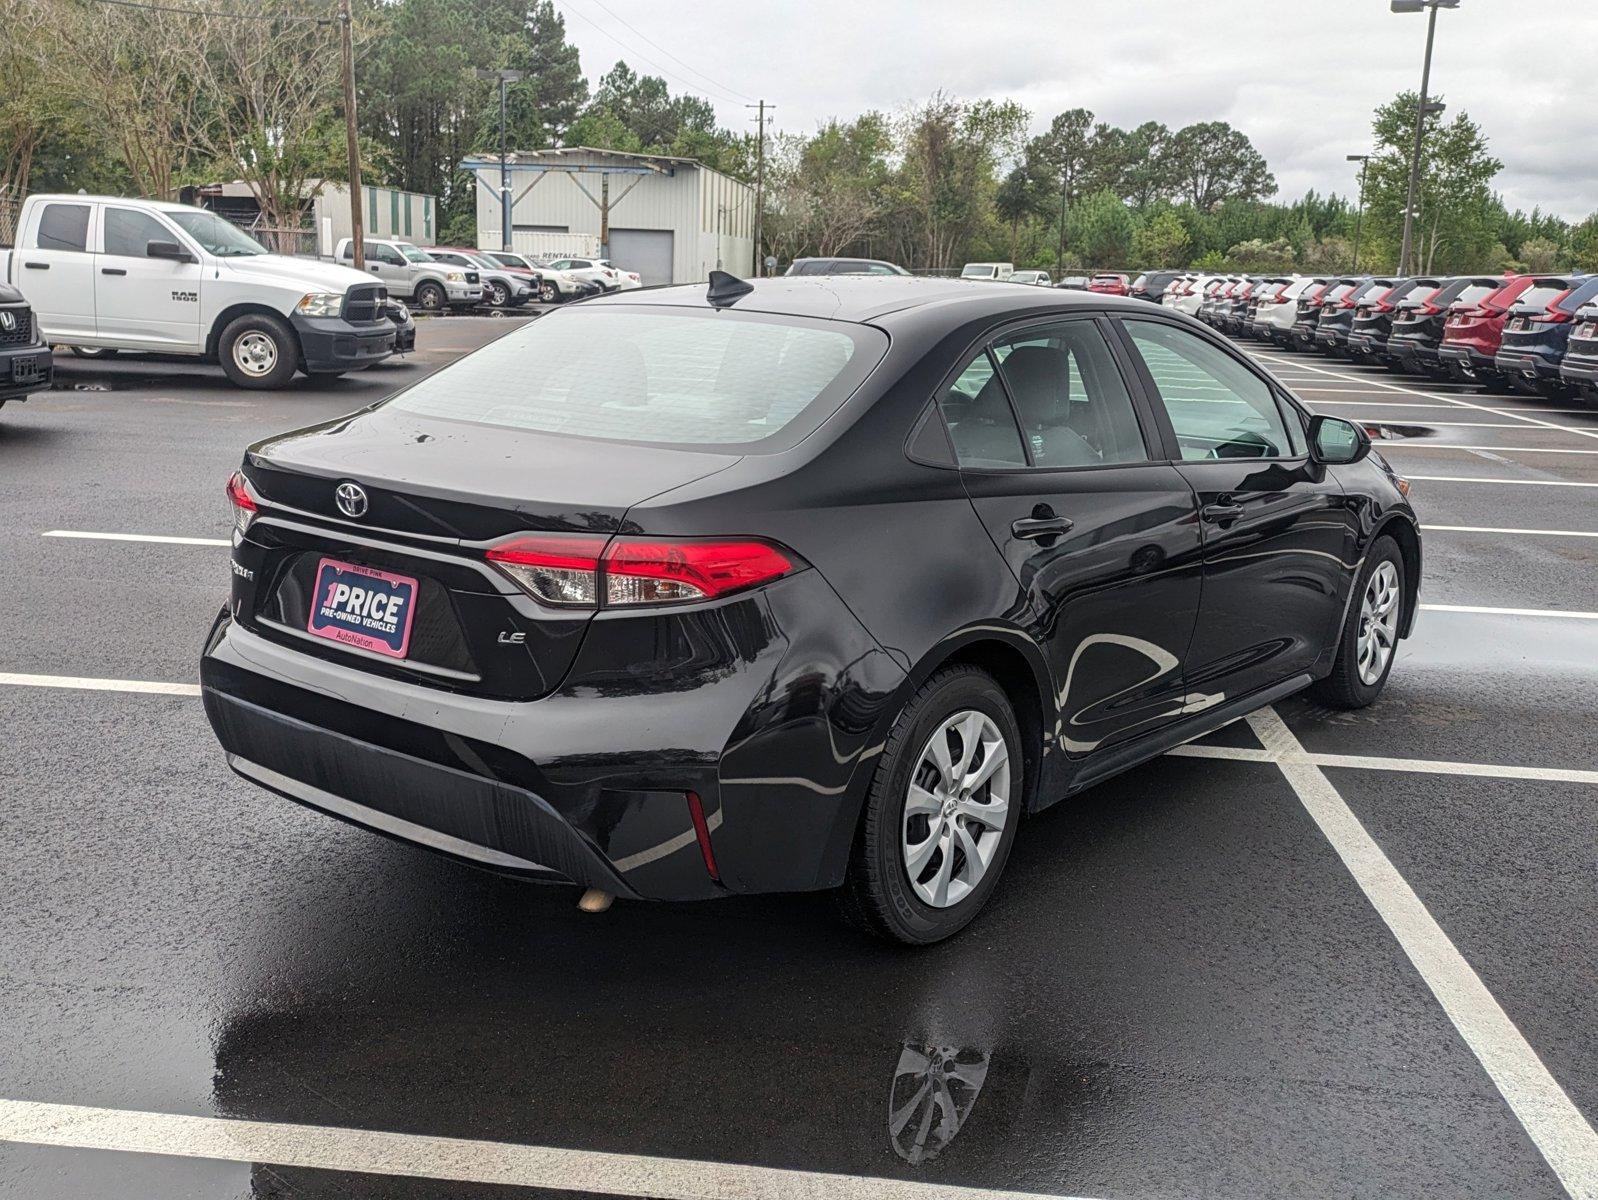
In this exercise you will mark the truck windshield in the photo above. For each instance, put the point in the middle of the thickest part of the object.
(221, 238)
(412, 254)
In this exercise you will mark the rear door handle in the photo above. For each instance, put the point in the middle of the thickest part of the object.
(1032, 528)
(37, 266)
(112, 271)
(1219, 514)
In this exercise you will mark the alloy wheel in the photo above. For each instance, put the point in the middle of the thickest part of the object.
(1378, 622)
(956, 809)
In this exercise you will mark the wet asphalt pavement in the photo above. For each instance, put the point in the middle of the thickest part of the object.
(1179, 990)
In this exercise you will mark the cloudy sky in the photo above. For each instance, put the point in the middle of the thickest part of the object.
(1300, 77)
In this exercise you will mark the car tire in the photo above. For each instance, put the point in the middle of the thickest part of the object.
(548, 293)
(1378, 604)
(880, 894)
(498, 295)
(431, 296)
(101, 352)
(259, 351)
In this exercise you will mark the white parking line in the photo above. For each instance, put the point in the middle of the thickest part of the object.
(1511, 612)
(1374, 402)
(1421, 444)
(1414, 766)
(8, 678)
(1493, 529)
(1409, 391)
(1488, 479)
(1454, 424)
(1556, 1125)
(136, 537)
(461, 1160)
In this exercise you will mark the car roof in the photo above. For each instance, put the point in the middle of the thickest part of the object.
(865, 298)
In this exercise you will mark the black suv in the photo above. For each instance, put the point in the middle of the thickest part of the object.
(1151, 285)
(792, 585)
(26, 363)
(1337, 313)
(1579, 367)
(1537, 330)
(1373, 315)
(1416, 328)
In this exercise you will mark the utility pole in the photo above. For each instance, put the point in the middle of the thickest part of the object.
(1409, 6)
(1364, 161)
(1059, 252)
(505, 77)
(760, 176)
(352, 142)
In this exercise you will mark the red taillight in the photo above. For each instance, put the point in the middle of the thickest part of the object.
(696, 813)
(1428, 307)
(244, 505)
(582, 571)
(1381, 301)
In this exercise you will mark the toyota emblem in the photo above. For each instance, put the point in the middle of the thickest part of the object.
(351, 498)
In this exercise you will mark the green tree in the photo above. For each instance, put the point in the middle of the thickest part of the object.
(1540, 254)
(1063, 155)
(1211, 162)
(1161, 241)
(1454, 219)
(1584, 244)
(1100, 230)
(1260, 255)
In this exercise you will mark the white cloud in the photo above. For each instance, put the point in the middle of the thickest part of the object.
(1300, 78)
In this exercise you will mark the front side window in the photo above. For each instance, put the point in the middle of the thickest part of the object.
(1218, 407)
(64, 227)
(129, 232)
(1073, 405)
(694, 379)
(412, 253)
(981, 422)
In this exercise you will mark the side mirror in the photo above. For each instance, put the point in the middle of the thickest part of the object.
(1336, 442)
(167, 250)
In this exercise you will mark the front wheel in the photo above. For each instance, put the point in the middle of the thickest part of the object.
(95, 351)
(1369, 640)
(431, 296)
(259, 351)
(548, 293)
(941, 812)
(498, 295)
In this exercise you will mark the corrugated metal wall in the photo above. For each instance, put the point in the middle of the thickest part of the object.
(389, 213)
(686, 203)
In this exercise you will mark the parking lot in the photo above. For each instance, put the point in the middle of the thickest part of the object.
(1317, 954)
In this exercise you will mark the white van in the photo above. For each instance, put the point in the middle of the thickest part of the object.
(995, 271)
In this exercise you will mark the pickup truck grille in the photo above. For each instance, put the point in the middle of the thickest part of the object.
(21, 332)
(367, 303)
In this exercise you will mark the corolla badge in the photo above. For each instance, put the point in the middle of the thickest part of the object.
(351, 499)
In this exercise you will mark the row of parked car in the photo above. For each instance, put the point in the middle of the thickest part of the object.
(460, 277)
(1530, 333)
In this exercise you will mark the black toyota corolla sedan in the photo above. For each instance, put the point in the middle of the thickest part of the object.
(799, 585)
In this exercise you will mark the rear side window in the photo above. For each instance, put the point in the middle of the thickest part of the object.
(1218, 407)
(1583, 293)
(679, 377)
(64, 227)
(1068, 392)
(980, 422)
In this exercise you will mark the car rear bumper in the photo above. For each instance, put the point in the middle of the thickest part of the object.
(1527, 364)
(590, 783)
(25, 369)
(1579, 368)
(1409, 350)
(1465, 356)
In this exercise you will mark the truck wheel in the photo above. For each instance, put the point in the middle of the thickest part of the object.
(259, 351)
(95, 351)
(547, 293)
(431, 295)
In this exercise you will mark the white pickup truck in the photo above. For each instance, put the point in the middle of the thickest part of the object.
(105, 274)
(415, 274)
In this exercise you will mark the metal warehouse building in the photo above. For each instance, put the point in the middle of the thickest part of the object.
(673, 220)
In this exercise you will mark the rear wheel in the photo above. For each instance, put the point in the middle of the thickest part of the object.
(941, 813)
(259, 351)
(1369, 641)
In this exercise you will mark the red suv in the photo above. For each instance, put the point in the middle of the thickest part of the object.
(1110, 283)
(1474, 329)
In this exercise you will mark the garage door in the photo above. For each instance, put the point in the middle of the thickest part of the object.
(647, 251)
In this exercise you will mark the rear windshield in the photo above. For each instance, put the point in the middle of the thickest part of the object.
(1338, 291)
(978, 271)
(672, 376)
(1539, 294)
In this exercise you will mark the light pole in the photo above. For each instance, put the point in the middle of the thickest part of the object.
(1414, 6)
(504, 77)
(1364, 161)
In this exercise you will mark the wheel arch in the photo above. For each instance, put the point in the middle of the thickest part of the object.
(213, 339)
(1403, 531)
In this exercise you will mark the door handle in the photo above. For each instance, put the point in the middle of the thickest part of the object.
(1221, 513)
(112, 271)
(37, 266)
(1033, 528)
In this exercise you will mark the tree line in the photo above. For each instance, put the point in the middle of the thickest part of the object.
(144, 101)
